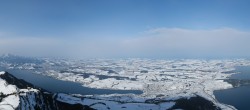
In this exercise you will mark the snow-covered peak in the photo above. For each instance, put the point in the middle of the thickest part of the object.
(2, 72)
(16, 94)
(9, 101)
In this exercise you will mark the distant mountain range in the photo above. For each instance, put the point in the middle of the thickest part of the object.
(10, 58)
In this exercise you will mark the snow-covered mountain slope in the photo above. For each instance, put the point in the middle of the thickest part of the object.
(16, 94)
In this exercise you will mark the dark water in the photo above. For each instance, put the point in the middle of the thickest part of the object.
(244, 73)
(238, 97)
(54, 85)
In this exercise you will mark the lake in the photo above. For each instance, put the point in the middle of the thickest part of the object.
(59, 86)
(238, 97)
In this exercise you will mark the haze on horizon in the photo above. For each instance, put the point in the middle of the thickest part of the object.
(126, 28)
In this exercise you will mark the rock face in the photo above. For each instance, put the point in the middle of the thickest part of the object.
(194, 103)
(17, 94)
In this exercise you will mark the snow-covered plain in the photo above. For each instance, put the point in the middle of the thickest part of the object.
(168, 79)
(114, 102)
(171, 79)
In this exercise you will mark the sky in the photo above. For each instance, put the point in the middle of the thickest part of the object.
(126, 28)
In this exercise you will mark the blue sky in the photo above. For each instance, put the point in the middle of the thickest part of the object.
(108, 28)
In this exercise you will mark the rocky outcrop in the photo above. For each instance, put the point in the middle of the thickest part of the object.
(33, 98)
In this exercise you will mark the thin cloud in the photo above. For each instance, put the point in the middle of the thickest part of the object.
(195, 43)
(159, 42)
(29, 46)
